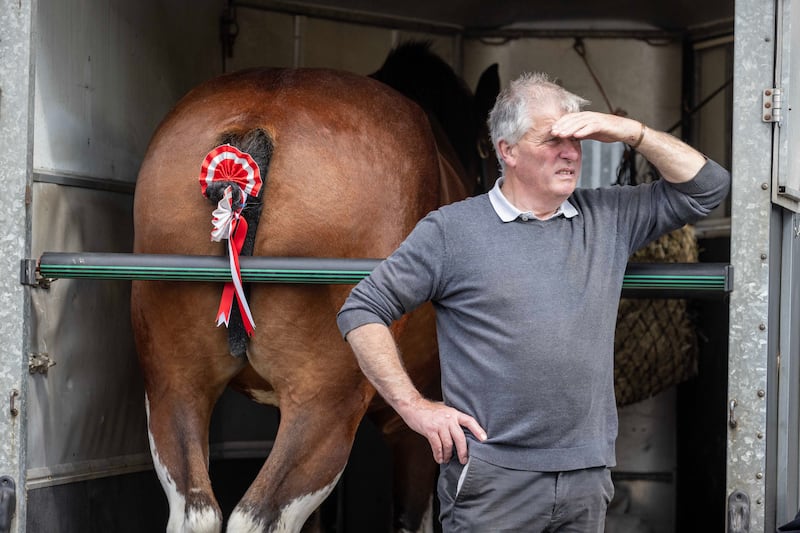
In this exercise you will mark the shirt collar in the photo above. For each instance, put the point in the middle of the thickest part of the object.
(508, 213)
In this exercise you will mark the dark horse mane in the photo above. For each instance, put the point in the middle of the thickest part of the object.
(414, 70)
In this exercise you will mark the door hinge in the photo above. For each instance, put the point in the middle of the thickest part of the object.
(771, 104)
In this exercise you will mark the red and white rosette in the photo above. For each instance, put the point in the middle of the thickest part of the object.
(227, 163)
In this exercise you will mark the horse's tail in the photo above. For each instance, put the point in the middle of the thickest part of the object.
(258, 144)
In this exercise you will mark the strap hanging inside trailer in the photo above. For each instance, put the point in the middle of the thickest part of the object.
(650, 280)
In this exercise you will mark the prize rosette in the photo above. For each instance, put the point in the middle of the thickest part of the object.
(228, 164)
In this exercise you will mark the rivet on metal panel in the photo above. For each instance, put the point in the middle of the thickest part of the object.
(765, 186)
(761, 393)
(759, 475)
(762, 326)
(12, 402)
(759, 435)
(763, 257)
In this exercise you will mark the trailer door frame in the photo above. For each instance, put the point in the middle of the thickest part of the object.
(764, 360)
(16, 161)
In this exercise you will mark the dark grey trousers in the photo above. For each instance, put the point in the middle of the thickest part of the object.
(489, 498)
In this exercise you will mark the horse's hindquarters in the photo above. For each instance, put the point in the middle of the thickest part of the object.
(352, 166)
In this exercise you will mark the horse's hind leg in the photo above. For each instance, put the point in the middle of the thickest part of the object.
(307, 459)
(183, 380)
(192, 506)
(413, 482)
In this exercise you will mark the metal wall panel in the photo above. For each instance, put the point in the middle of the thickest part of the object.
(269, 39)
(108, 71)
(750, 255)
(86, 413)
(16, 104)
(640, 78)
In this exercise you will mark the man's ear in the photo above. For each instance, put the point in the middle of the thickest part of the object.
(508, 152)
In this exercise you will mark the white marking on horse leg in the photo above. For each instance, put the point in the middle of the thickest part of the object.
(426, 525)
(202, 520)
(196, 520)
(244, 522)
(292, 516)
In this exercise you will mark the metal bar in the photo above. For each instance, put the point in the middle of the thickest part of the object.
(83, 182)
(349, 16)
(664, 280)
(410, 24)
(503, 35)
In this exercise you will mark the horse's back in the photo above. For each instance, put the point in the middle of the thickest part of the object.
(347, 150)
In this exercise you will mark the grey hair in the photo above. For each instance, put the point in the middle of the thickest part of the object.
(511, 117)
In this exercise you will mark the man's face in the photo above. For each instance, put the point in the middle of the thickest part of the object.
(547, 165)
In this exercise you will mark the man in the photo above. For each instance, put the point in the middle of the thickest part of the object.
(526, 281)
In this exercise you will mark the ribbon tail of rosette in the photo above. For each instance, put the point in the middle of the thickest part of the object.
(225, 305)
(235, 244)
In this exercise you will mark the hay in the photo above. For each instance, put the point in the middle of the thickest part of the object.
(655, 345)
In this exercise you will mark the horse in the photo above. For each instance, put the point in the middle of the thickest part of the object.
(457, 116)
(348, 165)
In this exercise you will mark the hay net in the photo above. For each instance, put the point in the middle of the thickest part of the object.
(655, 345)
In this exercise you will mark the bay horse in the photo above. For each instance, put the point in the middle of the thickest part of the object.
(349, 166)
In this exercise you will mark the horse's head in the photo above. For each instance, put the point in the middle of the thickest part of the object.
(415, 71)
(485, 96)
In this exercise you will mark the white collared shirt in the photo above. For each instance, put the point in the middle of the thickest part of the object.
(508, 212)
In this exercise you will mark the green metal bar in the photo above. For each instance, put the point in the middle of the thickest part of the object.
(55, 265)
(662, 280)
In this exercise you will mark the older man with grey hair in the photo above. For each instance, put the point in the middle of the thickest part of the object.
(526, 281)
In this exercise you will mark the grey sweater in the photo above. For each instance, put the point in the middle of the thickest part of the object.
(526, 312)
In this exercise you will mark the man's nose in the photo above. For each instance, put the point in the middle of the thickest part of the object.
(571, 149)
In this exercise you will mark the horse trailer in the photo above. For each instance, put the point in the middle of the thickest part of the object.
(83, 86)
